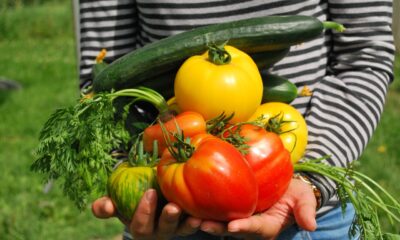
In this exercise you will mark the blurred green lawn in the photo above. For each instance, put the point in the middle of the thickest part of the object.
(37, 50)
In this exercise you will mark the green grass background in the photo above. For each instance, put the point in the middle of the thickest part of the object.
(37, 50)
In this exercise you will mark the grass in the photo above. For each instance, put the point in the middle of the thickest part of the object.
(381, 159)
(43, 62)
(39, 53)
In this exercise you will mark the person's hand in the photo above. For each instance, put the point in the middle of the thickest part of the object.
(143, 225)
(298, 205)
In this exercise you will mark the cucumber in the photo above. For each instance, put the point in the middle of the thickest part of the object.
(249, 35)
(164, 83)
(277, 88)
(267, 59)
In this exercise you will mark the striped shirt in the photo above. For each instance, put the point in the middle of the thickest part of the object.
(348, 73)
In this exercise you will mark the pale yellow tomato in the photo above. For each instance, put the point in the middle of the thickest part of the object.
(288, 122)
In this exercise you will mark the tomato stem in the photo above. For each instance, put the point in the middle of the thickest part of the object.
(275, 123)
(218, 55)
(216, 125)
(181, 149)
(232, 134)
(138, 157)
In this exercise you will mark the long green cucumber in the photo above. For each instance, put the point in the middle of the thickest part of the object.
(267, 59)
(277, 88)
(164, 82)
(250, 35)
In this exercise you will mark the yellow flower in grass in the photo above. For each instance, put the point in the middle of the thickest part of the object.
(382, 149)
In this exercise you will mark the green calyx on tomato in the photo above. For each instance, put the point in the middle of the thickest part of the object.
(218, 55)
(276, 123)
(189, 122)
(137, 157)
(217, 125)
(179, 146)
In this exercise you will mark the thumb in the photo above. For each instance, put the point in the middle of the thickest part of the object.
(103, 208)
(304, 211)
(142, 224)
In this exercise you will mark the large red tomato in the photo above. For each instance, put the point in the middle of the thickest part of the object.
(269, 160)
(214, 183)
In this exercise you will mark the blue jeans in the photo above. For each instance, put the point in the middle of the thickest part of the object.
(333, 225)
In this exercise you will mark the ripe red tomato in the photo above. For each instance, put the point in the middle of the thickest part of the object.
(190, 123)
(214, 183)
(269, 160)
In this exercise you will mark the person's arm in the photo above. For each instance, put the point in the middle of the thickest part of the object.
(346, 105)
(105, 24)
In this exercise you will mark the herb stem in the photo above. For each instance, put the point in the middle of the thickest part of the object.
(363, 192)
(144, 94)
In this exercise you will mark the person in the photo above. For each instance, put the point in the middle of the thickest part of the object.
(348, 75)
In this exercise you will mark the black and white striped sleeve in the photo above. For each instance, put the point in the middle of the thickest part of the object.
(347, 104)
(109, 24)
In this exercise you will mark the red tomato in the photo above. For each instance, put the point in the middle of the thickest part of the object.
(215, 183)
(269, 160)
(191, 123)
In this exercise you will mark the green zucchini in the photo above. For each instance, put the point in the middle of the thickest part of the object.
(277, 88)
(250, 35)
(98, 67)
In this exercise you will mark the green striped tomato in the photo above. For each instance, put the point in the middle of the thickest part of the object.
(126, 186)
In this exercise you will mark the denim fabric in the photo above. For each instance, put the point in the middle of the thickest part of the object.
(331, 226)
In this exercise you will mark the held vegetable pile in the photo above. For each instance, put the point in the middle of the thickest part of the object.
(224, 146)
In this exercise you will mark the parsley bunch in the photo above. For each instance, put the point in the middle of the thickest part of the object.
(76, 143)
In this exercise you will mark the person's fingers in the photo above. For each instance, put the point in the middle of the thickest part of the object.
(189, 226)
(142, 225)
(265, 225)
(215, 228)
(103, 208)
(168, 221)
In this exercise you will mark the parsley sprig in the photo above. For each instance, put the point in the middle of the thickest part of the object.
(76, 143)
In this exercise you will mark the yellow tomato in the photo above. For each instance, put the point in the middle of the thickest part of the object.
(288, 122)
(212, 89)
